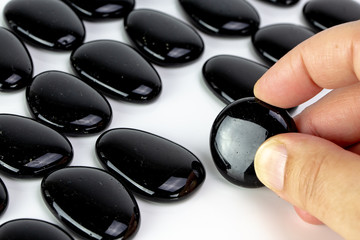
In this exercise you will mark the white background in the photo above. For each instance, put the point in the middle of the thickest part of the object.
(183, 113)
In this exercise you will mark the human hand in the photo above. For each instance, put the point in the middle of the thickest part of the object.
(317, 169)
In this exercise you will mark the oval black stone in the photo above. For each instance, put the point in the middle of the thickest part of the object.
(282, 2)
(32, 229)
(91, 202)
(323, 14)
(162, 38)
(47, 23)
(101, 9)
(116, 69)
(226, 17)
(151, 166)
(4, 197)
(237, 133)
(231, 77)
(64, 102)
(31, 149)
(16, 67)
(274, 41)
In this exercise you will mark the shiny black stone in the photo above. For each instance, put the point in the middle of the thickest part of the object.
(4, 198)
(226, 17)
(323, 14)
(32, 229)
(116, 69)
(47, 23)
(31, 149)
(64, 102)
(151, 166)
(237, 133)
(274, 41)
(162, 38)
(101, 9)
(16, 67)
(91, 202)
(282, 2)
(230, 77)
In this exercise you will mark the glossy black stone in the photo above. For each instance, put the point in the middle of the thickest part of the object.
(47, 23)
(223, 18)
(101, 9)
(4, 198)
(274, 41)
(282, 2)
(237, 133)
(32, 229)
(162, 38)
(31, 149)
(91, 202)
(151, 166)
(231, 77)
(323, 14)
(67, 104)
(116, 69)
(16, 67)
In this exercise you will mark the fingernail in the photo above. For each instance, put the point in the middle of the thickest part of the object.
(270, 162)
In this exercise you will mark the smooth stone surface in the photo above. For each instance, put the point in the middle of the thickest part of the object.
(162, 38)
(91, 202)
(32, 229)
(274, 41)
(46, 23)
(231, 77)
(116, 69)
(16, 67)
(223, 18)
(67, 104)
(4, 198)
(237, 133)
(283, 2)
(323, 14)
(31, 149)
(101, 9)
(151, 166)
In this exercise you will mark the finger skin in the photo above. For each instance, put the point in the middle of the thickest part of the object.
(307, 217)
(321, 178)
(330, 59)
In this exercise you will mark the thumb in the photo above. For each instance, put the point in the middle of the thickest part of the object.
(315, 175)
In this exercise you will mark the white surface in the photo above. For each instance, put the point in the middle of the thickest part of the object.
(183, 113)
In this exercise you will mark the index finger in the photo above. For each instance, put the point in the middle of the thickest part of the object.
(330, 60)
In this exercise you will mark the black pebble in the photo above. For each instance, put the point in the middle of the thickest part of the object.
(64, 102)
(151, 166)
(31, 149)
(237, 133)
(4, 198)
(117, 69)
(46, 23)
(91, 202)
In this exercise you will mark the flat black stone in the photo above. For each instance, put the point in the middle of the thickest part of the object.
(91, 202)
(49, 24)
(223, 18)
(231, 77)
(67, 104)
(101, 9)
(282, 2)
(274, 41)
(31, 149)
(16, 67)
(116, 69)
(323, 14)
(32, 229)
(4, 198)
(151, 166)
(237, 133)
(163, 39)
